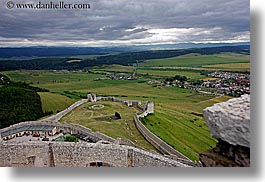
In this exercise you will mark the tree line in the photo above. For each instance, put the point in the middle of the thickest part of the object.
(19, 102)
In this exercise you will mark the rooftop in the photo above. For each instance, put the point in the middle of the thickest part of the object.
(27, 128)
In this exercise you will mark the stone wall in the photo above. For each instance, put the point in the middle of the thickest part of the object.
(57, 154)
(65, 128)
(24, 155)
(59, 115)
(92, 97)
(113, 152)
(229, 122)
(148, 108)
(159, 144)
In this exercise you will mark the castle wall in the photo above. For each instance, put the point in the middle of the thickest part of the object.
(21, 155)
(118, 153)
(148, 108)
(72, 155)
(65, 128)
(57, 154)
(59, 115)
(159, 144)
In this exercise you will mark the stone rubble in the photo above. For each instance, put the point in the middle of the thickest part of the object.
(229, 122)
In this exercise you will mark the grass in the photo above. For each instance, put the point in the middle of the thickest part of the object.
(170, 73)
(188, 134)
(197, 60)
(116, 68)
(231, 66)
(51, 78)
(178, 112)
(100, 120)
(54, 102)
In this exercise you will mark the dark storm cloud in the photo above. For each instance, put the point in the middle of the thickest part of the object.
(126, 22)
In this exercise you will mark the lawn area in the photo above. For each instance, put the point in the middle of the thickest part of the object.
(100, 120)
(54, 102)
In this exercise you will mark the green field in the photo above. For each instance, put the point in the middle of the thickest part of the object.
(197, 61)
(178, 112)
(169, 101)
(231, 66)
(100, 120)
(189, 65)
(54, 102)
(158, 72)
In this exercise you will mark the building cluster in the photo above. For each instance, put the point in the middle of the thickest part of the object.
(226, 83)
(229, 83)
(121, 77)
(35, 131)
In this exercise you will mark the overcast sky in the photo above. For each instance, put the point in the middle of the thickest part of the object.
(126, 22)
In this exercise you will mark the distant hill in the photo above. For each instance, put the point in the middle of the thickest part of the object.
(128, 58)
(187, 46)
(9, 52)
(54, 51)
(132, 57)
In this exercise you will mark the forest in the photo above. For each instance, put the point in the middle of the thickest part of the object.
(19, 102)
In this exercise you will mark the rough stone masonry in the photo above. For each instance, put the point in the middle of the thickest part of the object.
(229, 122)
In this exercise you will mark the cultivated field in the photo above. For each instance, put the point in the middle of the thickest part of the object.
(190, 65)
(178, 116)
(196, 60)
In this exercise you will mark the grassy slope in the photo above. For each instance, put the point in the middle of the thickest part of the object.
(197, 60)
(54, 102)
(98, 120)
(169, 101)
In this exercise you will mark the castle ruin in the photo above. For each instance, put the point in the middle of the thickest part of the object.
(95, 150)
(229, 122)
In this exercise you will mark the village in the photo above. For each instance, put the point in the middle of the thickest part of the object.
(224, 83)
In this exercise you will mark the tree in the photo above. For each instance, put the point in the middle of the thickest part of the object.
(70, 138)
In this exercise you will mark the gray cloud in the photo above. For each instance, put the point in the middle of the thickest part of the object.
(119, 22)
